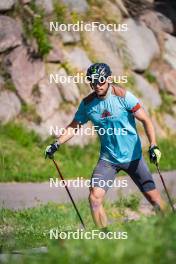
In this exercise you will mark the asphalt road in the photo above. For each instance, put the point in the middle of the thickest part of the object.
(24, 195)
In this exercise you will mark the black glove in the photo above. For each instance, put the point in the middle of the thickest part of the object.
(154, 154)
(51, 149)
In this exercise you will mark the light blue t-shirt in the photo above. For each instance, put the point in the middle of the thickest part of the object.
(114, 122)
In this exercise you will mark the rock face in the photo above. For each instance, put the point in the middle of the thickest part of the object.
(170, 122)
(10, 106)
(160, 132)
(170, 81)
(52, 125)
(150, 96)
(146, 51)
(6, 4)
(69, 37)
(157, 22)
(141, 45)
(49, 99)
(170, 50)
(47, 5)
(104, 47)
(25, 71)
(69, 89)
(56, 53)
(10, 33)
(112, 10)
(2, 82)
(167, 8)
(78, 58)
(55, 125)
(79, 6)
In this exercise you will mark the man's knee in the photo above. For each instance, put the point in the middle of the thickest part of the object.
(96, 198)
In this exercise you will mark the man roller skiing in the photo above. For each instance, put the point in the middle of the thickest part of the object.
(113, 108)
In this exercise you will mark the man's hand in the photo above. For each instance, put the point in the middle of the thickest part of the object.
(51, 149)
(154, 154)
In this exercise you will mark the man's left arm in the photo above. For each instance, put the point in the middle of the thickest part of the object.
(142, 116)
(154, 152)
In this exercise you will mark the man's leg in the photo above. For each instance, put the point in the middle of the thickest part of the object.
(155, 199)
(139, 172)
(103, 174)
(96, 198)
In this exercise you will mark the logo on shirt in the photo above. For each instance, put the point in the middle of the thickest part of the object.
(105, 114)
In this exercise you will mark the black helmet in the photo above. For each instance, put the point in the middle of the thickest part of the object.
(98, 73)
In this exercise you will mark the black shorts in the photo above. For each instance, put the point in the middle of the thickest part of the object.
(105, 172)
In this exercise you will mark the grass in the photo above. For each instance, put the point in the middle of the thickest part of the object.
(150, 240)
(132, 201)
(22, 157)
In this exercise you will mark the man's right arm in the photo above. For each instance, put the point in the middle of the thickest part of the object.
(68, 132)
(67, 135)
(79, 119)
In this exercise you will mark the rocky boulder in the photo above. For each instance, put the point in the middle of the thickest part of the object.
(77, 57)
(65, 83)
(25, 1)
(79, 6)
(140, 44)
(170, 122)
(103, 47)
(69, 37)
(55, 125)
(149, 94)
(47, 5)
(10, 33)
(56, 53)
(160, 132)
(170, 50)
(157, 22)
(25, 72)
(170, 82)
(6, 4)
(69, 89)
(48, 100)
(10, 106)
(2, 82)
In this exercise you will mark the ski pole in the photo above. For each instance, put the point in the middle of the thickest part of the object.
(168, 196)
(71, 198)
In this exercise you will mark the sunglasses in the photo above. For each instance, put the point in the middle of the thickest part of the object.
(94, 85)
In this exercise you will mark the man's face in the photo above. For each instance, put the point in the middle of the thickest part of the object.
(101, 88)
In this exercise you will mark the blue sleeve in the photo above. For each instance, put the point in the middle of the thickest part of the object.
(81, 116)
(132, 103)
